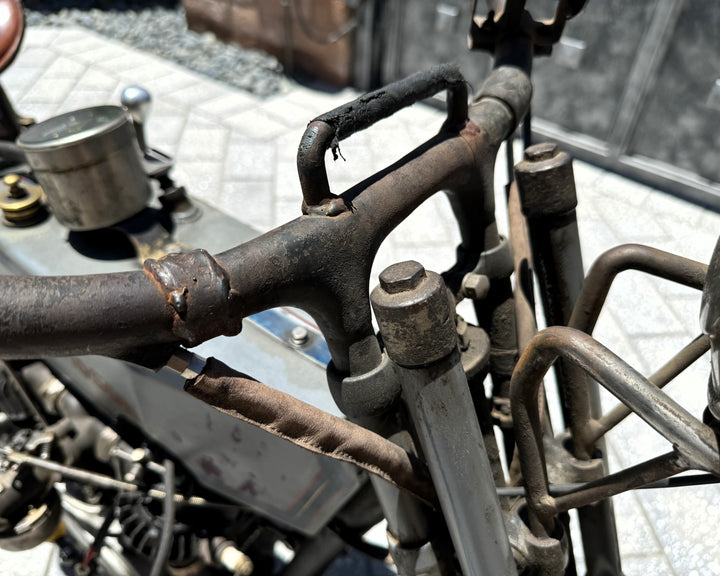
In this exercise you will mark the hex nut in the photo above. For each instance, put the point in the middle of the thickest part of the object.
(546, 182)
(415, 318)
(402, 277)
(475, 286)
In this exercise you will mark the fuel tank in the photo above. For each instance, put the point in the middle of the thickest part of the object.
(281, 348)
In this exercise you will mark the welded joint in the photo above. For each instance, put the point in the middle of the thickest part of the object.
(198, 291)
(550, 552)
(564, 468)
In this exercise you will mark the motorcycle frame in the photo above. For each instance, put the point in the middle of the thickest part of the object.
(321, 262)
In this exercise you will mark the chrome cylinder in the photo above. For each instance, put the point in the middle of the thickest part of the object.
(89, 164)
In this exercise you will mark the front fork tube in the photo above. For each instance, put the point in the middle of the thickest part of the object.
(417, 539)
(548, 198)
(417, 322)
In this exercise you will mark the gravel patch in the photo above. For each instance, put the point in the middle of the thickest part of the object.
(159, 27)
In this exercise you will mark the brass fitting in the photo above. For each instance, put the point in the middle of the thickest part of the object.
(21, 201)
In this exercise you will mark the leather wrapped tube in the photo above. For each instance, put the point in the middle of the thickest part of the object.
(282, 415)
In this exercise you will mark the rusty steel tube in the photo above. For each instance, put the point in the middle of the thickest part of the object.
(694, 441)
(666, 374)
(320, 262)
(523, 293)
(117, 313)
(634, 477)
(587, 310)
(114, 315)
(327, 130)
(630, 257)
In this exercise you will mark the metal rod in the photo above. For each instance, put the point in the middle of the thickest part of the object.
(634, 477)
(630, 257)
(561, 489)
(696, 443)
(168, 521)
(99, 480)
(661, 378)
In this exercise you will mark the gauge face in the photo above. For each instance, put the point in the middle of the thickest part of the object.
(73, 126)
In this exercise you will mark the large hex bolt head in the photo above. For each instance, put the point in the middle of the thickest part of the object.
(546, 182)
(413, 311)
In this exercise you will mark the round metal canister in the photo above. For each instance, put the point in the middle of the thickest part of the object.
(89, 164)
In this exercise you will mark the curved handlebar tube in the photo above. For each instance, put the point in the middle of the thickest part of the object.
(585, 429)
(326, 131)
(695, 444)
(318, 263)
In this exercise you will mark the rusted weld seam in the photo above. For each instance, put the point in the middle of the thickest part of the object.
(197, 290)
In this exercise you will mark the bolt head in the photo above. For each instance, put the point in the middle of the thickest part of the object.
(11, 180)
(402, 277)
(138, 455)
(542, 151)
(299, 335)
(476, 286)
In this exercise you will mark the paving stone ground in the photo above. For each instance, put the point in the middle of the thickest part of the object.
(238, 151)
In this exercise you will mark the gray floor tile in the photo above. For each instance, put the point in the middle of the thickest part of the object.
(690, 540)
(27, 563)
(203, 142)
(644, 565)
(249, 160)
(635, 533)
(287, 181)
(640, 308)
(256, 125)
(19, 77)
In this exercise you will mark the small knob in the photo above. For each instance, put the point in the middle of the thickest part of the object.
(136, 100)
(21, 201)
(15, 190)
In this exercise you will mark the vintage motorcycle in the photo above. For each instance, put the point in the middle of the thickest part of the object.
(138, 456)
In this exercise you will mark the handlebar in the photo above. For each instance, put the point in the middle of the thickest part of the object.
(326, 131)
(317, 262)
